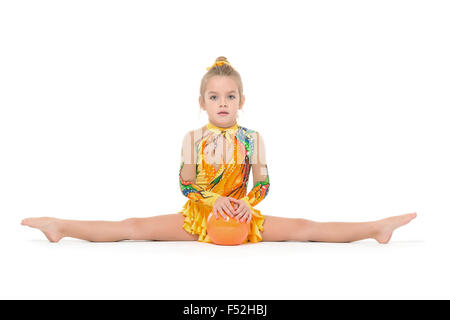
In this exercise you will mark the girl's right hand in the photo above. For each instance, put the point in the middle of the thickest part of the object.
(223, 206)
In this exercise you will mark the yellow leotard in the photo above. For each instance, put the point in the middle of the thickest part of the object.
(217, 162)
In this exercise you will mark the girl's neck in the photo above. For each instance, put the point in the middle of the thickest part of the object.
(212, 124)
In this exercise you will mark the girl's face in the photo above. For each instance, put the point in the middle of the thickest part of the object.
(222, 101)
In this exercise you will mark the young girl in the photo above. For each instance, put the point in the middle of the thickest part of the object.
(216, 161)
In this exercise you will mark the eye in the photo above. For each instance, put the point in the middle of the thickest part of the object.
(211, 97)
(232, 96)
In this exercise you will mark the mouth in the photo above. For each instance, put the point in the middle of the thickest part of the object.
(223, 113)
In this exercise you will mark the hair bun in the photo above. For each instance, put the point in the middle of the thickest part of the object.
(219, 62)
(221, 58)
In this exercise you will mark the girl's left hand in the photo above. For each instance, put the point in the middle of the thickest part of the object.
(243, 212)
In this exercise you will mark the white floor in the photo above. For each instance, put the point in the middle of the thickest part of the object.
(33, 268)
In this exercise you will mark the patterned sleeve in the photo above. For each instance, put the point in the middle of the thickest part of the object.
(258, 162)
(188, 174)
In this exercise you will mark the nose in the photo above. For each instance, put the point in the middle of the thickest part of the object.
(223, 103)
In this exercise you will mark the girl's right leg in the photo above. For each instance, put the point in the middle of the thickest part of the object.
(167, 227)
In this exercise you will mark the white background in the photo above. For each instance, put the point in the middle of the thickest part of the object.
(351, 97)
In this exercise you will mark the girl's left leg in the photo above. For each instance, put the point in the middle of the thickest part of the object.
(296, 229)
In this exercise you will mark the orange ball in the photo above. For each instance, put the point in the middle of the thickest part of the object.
(227, 231)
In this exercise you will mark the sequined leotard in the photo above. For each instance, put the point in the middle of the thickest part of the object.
(217, 162)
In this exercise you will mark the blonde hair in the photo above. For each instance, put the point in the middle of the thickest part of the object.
(221, 67)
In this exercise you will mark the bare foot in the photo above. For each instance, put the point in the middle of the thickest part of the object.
(49, 226)
(387, 226)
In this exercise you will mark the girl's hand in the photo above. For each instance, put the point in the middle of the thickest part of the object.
(224, 207)
(243, 212)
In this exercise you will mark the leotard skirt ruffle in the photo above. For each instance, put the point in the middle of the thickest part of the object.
(196, 216)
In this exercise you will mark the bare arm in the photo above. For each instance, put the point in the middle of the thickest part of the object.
(188, 174)
(261, 182)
